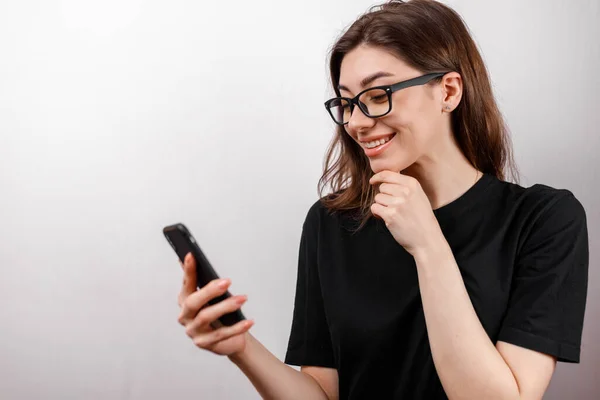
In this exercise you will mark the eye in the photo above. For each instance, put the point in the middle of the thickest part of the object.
(379, 98)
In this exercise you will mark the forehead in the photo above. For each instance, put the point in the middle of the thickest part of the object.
(365, 60)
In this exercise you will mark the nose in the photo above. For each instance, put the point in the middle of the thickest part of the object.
(359, 121)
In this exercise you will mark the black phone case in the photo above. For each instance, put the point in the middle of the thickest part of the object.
(182, 241)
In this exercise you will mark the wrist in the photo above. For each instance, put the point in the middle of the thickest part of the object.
(435, 251)
(239, 358)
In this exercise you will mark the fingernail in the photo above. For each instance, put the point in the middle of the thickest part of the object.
(223, 283)
(249, 323)
(241, 299)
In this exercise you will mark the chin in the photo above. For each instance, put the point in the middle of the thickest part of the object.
(383, 164)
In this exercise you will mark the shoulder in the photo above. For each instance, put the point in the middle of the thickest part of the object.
(320, 218)
(314, 214)
(539, 202)
(547, 216)
(317, 215)
(559, 204)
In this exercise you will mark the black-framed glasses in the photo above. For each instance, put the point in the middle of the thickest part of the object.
(374, 102)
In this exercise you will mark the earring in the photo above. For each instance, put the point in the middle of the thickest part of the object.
(447, 107)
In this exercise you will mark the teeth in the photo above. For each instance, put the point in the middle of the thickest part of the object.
(376, 143)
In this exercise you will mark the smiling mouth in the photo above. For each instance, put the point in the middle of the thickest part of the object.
(377, 143)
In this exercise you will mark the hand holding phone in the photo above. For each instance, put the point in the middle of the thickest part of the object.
(182, 242)
(211, 316)
(199, 317)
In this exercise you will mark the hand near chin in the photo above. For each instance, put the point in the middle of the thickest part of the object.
(406, 210)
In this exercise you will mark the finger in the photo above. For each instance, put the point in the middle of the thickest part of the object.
(391, 177)
(385, 176)
(208, 315)
(380, 211)
(394, 189)
(210, 339)
(192, 304)
(190, 283)
(385, 199)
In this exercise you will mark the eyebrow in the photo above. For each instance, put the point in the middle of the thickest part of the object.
(369, 79)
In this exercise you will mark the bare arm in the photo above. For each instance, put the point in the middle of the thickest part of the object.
(272, 378)
(275, 380)
(467, 362)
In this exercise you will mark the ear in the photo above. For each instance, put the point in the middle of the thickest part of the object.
(452, 88)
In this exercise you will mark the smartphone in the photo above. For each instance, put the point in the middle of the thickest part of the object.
(182, 241)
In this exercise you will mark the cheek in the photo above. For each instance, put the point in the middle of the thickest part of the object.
(407, 114)
(416, 121)
(409, 127)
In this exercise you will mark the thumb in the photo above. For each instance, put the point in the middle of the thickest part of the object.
(190, 280)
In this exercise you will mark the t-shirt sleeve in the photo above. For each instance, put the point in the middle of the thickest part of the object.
(548, 294)
(309, 342)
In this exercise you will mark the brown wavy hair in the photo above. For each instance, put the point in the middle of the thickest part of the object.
(430, 37)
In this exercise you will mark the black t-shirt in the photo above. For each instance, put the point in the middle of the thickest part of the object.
(522, 253)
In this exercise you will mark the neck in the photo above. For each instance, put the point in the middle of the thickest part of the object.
(444, 175)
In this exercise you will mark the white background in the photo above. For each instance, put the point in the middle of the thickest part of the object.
(118, 117)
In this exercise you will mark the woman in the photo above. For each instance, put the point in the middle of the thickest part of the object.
(438, 281)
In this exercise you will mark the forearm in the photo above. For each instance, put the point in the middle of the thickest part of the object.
(272, 378)
(467, 362)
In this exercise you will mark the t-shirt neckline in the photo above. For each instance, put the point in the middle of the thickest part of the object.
(466, 200)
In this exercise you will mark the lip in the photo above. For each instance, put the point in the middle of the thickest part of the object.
(377, 150)
(365, 140)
